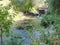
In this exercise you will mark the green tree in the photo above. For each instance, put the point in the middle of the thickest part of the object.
(5, 21)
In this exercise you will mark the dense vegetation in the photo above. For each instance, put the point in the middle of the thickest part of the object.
(5, 21)
(54, 6)
(48, 26)
(24, 5)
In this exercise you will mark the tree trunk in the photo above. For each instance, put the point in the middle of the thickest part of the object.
(1, 35)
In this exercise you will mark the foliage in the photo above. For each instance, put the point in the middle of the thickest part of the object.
(22, 5)
(55, 21)
(51, 23)
(53, 6)
(5, 18)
